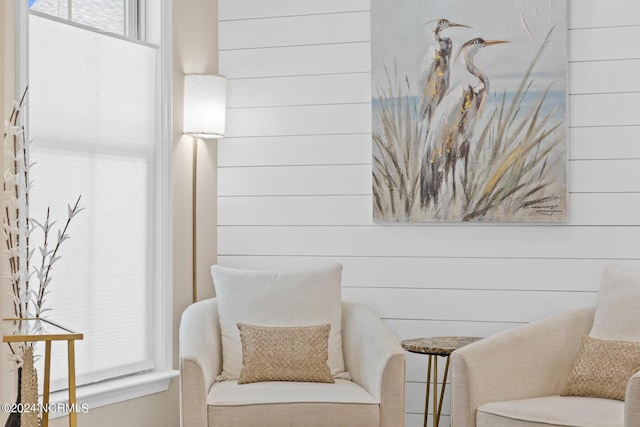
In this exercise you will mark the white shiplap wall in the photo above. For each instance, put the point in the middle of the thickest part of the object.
(294, 176)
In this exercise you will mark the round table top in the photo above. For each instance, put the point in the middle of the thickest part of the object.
(439, 346)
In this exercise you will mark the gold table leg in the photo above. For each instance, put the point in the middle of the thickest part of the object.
(73, 415)
(47, 385)
(436, 416)
(437, 400)
(444, 382)
(426, 399)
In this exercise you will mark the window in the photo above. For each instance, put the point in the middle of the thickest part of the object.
(98, 130)
(114, 16)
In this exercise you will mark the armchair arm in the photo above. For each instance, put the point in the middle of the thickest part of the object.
(528, 361)
(375, 360)
(200, 360)
(632, 402)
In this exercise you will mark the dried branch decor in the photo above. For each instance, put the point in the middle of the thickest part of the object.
(29, 280)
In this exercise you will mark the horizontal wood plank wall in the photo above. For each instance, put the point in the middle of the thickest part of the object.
(295, 176)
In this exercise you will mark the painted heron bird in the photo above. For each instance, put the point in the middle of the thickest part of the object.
(434, 77)
(452, 124)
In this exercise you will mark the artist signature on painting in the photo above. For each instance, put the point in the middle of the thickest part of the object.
(547, 210)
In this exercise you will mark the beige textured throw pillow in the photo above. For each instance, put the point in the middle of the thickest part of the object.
(303, 297)
(284, 353)
(603, 368)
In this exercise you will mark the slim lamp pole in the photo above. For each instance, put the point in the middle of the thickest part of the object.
(194, 230)
(204, 117)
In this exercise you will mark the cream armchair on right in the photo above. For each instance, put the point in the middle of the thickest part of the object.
(516, 378)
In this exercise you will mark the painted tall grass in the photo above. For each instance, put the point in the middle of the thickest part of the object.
(515, 171)
(396, 156)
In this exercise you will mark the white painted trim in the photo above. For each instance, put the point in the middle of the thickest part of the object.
(166, 120)
(113, 391)
(22, 48)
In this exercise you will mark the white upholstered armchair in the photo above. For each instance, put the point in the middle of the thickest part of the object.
(372, 356)
(514, 379)
(546, 373)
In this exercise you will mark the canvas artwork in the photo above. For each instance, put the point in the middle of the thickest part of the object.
(469, 110)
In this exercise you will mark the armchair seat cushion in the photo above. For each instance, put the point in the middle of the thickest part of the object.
(552, 411)
(291, 404)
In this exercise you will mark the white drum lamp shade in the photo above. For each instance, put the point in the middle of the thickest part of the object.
(205, 99)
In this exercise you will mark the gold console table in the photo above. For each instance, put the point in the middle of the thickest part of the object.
(32, 330)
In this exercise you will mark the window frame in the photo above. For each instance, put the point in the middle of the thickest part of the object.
(136, 385)
(134, 25)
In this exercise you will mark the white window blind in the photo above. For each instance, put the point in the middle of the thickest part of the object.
(93, 121)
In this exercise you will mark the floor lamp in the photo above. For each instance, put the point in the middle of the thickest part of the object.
(204, 118)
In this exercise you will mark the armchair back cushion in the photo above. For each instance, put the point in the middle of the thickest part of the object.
(617, 315)
(265, 298)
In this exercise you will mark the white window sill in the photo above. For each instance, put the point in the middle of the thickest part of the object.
(109, 392)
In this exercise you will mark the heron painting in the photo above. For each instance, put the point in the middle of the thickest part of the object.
(469, 110)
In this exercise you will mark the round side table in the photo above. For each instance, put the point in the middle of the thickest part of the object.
(434, 347)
